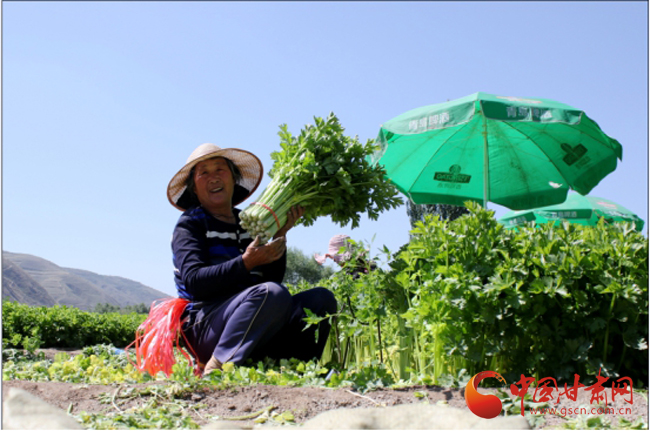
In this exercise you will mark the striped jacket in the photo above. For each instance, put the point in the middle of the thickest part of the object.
(208, 264)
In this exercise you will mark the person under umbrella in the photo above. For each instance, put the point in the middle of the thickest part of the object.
(340, 250)
(238, 308)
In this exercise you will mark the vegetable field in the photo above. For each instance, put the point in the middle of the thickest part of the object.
(468, 295)
(461, 297)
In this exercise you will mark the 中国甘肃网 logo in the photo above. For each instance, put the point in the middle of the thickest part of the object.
(488, 406)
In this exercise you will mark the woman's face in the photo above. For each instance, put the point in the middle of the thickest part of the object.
(214, 184)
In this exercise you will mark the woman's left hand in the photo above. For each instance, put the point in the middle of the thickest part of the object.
(292, 217)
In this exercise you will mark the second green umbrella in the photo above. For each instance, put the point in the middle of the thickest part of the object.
(586, 210)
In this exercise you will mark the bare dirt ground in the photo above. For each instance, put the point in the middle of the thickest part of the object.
(303, 402)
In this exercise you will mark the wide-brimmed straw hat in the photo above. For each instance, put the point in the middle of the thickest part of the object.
(333, 250)
(249, 165)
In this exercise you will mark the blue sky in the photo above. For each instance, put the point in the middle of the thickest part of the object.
(103, 102)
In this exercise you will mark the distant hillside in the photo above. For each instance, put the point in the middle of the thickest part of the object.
(18, 286)
(35, 281)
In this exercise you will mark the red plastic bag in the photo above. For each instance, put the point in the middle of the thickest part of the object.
(157, 336)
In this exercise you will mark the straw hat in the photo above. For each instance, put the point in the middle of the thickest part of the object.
(336, 242)
(249, 165)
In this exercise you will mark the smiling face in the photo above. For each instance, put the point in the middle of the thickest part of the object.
(214, 185)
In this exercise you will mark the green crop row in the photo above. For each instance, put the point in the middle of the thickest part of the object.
(62, 326)
(100, 365)
(469, 295)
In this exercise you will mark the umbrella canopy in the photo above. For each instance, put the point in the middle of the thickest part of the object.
(519, 153)
(586, 210)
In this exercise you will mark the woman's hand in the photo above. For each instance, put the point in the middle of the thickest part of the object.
(293, 215)
(256, 255)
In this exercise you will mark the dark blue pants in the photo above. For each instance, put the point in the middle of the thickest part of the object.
(261, 321)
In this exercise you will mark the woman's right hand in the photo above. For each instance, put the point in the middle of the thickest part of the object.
(256, 255)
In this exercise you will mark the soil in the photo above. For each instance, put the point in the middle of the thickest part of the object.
(303, 402)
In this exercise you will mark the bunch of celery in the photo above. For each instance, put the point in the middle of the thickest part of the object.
(325, 172)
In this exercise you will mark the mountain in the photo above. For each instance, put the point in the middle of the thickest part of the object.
(18, 286)
(35, 281)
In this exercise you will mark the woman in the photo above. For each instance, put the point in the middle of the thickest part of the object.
(238, 307)
(340, 250)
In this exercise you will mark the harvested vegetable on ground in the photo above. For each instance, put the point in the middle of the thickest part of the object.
(326, 173)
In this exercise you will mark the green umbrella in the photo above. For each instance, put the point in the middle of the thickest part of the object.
(519, 153)
(586, 210)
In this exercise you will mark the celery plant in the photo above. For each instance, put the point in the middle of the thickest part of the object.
(326, 173)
